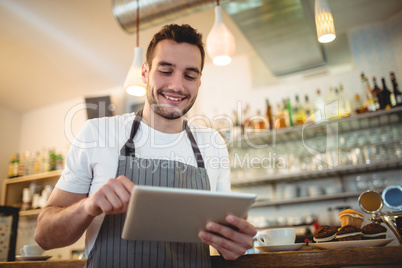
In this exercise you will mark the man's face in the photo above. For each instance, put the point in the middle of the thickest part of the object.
(173, 81)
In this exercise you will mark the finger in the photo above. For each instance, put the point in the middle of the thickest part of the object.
(239, 239)
(119, 189)
(226, 247)
(126, 182)
(242, 225)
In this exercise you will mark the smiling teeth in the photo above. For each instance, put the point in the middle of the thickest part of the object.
(173, 99)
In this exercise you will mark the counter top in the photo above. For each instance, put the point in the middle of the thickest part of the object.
(306, 257)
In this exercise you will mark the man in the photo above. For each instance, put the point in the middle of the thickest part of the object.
(92, 196)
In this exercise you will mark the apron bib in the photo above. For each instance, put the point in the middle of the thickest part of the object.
(111, 251)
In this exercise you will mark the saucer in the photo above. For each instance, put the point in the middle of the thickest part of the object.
(276, 248)
(32, 258)
(352, 244)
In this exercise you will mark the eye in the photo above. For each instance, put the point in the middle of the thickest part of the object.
(190, 77)
(165, 72)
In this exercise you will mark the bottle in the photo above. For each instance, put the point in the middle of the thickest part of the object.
(366, 88)
(259, 122)
(344, 103)
(280, 117)
(52, 160)
(59, 161)
(268, 114)
(377, 94)
(236, 131)
(332, 105)
(299, 115)
(37, 163)
(397, 93)
(358, 106)
(21, 166)
(11, 166)
(289, 110)
(308, 109)
(16, 165)
(319, 107)
(386, 95)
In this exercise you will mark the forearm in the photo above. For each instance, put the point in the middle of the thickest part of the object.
(61, 226)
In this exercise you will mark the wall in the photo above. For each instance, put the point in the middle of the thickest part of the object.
(376, 50)
(11, 126)
(54, 126)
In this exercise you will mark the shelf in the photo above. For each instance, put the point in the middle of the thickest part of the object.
(303, 200)
(30, 212)
(35, 177)
(310, 130)
(338, 171)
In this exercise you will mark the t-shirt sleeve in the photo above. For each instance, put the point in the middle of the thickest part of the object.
(77, 174)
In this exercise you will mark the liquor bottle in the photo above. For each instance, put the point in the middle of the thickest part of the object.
(308, 109)
(332, 104)
(319, 107)
(386, 95)
(377, 94)
(289, 110)
(280, 117)
(298, 112)
(268, 114)
(366, 88)
(344, 102)
(246, 124)
(397, 93)
(358, 106)
(259, 122)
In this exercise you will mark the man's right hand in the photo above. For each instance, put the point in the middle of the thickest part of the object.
(112, 198)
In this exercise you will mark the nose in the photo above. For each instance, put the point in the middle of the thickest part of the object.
(176, 82)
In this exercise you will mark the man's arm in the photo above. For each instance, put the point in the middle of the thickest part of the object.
(230, 241)
(67, 215)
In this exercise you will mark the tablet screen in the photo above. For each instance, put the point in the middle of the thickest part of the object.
(177, 215)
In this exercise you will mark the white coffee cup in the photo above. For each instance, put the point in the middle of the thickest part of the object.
(274, 237)
(31, 250)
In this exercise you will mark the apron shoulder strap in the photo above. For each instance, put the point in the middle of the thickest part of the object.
(129, 148)
(196, 150)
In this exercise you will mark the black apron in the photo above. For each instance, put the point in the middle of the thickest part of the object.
(111, 251)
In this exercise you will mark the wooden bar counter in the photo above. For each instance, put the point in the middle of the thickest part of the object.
(306, 257)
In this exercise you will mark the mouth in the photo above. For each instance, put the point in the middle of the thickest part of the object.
(174, 99)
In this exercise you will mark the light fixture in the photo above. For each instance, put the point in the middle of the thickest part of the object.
(220, 41)
(134, 84)
(324, 22)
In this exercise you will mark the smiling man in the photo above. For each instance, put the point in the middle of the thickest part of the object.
(112, 155)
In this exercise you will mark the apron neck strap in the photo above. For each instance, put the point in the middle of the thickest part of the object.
(196, 150)
(129, 148)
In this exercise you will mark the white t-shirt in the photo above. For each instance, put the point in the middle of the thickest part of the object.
(93, 156)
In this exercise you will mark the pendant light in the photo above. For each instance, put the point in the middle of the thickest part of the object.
(220, 41)
(134, 84)
(324, 22)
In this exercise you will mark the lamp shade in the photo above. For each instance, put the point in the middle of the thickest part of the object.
(133, 84)
(220, 41)
(324, 22)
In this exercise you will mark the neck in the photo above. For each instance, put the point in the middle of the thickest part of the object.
(159, 123)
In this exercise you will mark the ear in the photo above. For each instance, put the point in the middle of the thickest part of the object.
(144, 72)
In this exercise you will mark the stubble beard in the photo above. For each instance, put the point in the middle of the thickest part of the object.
(166, 111)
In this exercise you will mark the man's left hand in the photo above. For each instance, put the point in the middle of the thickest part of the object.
(231, 241)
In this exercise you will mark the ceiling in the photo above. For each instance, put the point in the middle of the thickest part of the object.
(52, 51)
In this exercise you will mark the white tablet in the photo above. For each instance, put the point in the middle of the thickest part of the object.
(177, 215)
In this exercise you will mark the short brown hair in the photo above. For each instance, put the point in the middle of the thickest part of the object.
(178, 33)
